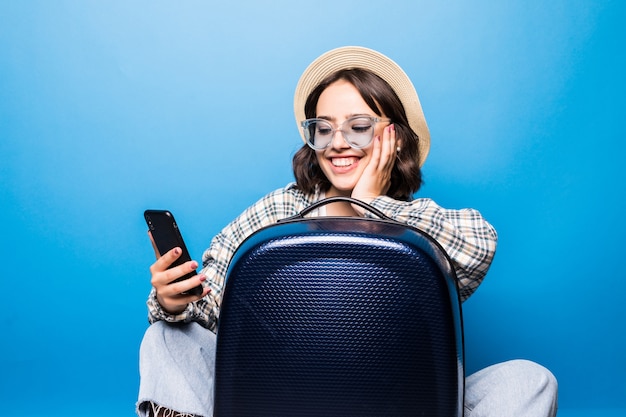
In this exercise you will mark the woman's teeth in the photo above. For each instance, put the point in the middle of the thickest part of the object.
(343, 162)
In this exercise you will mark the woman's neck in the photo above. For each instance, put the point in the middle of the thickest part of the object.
(340, 208)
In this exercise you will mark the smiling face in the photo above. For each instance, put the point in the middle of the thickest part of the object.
(342, 164)
(348, 91)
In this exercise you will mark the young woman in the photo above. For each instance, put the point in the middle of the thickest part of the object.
(365, 137)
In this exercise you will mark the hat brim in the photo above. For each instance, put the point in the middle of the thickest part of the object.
(360, 57)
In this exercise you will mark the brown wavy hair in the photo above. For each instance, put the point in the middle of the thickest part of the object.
(406, 176)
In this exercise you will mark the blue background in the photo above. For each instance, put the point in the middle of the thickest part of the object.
(108, 108)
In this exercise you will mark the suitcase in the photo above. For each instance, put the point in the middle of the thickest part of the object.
(340, 316)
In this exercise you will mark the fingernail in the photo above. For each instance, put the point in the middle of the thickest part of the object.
(176, 251)
(202, 278)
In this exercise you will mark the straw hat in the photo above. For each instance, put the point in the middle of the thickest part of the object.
(359, 57)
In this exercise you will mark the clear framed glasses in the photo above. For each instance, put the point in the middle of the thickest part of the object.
(357, 131)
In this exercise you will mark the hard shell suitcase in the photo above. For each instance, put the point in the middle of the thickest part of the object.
(340, 316)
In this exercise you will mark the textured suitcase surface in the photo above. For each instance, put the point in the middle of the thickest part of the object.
(339, 317)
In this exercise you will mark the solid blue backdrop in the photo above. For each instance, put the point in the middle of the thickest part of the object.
(108, 108)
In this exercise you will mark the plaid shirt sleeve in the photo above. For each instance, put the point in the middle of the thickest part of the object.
(467, 238)
(277, 205)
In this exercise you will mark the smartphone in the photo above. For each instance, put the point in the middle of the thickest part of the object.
(166, 236)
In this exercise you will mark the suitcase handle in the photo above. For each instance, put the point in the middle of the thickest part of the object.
(350, 200)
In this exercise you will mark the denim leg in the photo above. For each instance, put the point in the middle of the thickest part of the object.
(176, 365)
(517, 388)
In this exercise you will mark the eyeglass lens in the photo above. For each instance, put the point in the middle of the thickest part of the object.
(358, 132)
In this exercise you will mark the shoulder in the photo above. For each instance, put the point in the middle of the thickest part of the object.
(425, 211)
(390, 205)
(290, 193)
(283, 202)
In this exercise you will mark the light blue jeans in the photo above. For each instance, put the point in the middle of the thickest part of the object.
(176, 364)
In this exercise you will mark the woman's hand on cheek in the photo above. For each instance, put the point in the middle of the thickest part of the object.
(376, 178)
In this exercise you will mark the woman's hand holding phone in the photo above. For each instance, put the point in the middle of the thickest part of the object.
(174, 274)
(174, 296)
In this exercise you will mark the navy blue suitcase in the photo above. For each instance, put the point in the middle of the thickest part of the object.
(340, 316)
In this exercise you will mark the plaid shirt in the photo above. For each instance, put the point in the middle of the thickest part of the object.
(467, 238)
